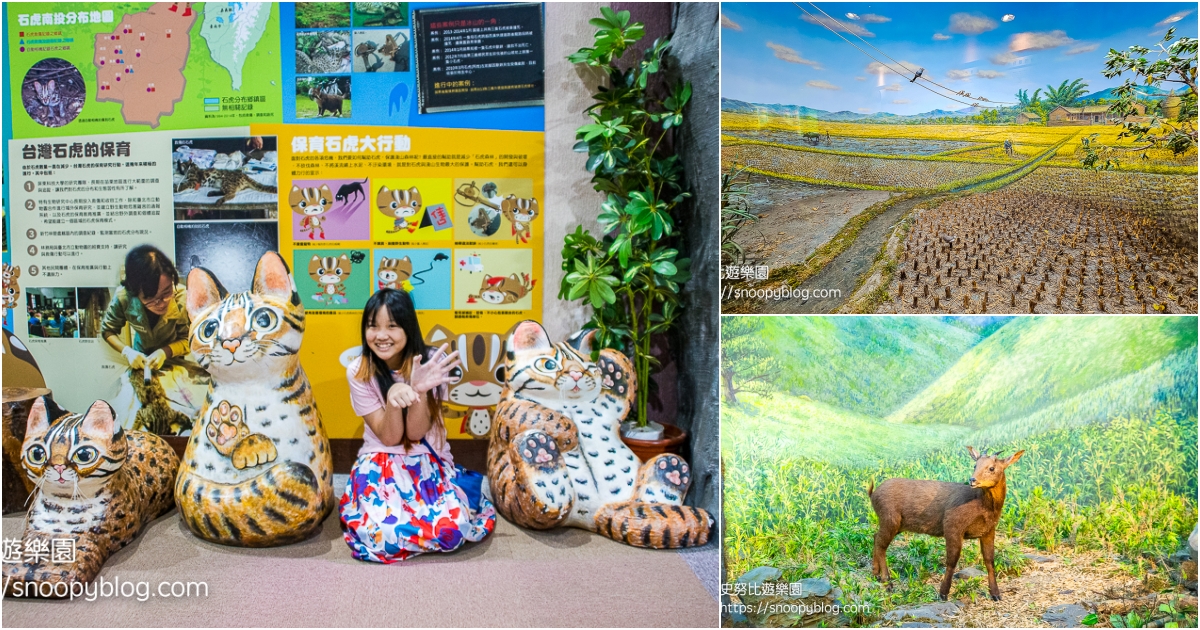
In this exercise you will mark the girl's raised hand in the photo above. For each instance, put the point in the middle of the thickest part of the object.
(401, 395)
(428, 376)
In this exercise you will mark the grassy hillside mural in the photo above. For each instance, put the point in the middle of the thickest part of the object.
(1097, 509)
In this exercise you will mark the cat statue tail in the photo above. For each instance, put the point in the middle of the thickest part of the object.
(654, 525)
(280, 506)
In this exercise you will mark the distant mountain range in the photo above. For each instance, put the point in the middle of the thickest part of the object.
(800, 111)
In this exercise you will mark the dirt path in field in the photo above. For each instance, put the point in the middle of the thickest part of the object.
(1092, 581)
(795, 219)
(833, 285)
(842, 274)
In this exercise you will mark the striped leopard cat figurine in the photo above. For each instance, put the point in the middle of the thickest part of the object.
(556, 458)
(257, 471)
(98, 486)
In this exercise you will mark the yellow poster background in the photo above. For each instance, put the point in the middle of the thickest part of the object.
(433, 159)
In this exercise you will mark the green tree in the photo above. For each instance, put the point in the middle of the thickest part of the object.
(747, 360)
(1065, 93)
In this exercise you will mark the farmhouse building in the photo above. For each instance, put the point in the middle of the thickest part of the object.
(1087, 115)
(1028, 117)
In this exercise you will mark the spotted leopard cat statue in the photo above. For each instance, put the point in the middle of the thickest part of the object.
(97, 487)
(257, 471)
(556, 458)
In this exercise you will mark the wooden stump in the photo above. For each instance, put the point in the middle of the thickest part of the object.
(17, 403)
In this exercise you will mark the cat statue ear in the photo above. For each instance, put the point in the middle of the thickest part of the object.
(272, 277)
(582, 340)
(529, 335)
(100, 419)
(203, 291)
(39, 421)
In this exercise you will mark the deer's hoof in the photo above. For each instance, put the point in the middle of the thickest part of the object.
(995, 598)
(941, 597)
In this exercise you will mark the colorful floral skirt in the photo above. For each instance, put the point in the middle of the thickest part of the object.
(397, 506)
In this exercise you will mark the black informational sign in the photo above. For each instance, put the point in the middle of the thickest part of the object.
(479, 57)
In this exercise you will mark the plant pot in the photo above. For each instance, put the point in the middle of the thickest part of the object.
(672, 440)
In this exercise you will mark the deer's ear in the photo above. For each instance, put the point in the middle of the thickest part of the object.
(974, 453)
(1012, 460)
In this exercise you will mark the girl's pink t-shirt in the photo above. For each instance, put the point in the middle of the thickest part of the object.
(366, 398)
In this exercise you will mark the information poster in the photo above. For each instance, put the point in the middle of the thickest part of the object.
(453, 216)
(479, 57)
(106, 67)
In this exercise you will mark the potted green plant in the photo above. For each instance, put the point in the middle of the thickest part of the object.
(632, 274)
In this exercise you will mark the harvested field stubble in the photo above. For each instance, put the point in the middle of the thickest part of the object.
(1014, 251)
(834, 169)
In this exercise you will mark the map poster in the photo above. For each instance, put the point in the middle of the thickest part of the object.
(479, 57)
(452, 216)
(79, 205)
(94, 68)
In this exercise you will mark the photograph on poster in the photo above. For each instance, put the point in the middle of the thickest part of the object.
(411, 210)
(318, 97)
(323, 52)
(52, 312)
(53, 92)
(332, 279)
(330, 209)
(494, 210)
(424, 273)
(225, 178)
(499, 279)
(322, 14)
(91, 304)
(381, 50)
(228, 249)
(381, 14)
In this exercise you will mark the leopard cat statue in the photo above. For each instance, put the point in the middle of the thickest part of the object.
(556, 458)
(97, 487)
(257, 471)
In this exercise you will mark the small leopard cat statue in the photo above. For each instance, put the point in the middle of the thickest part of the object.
(556, 457)
(257, 471)
(98, 486)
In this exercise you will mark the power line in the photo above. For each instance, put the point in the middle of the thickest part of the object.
(984, 99)
(889, 67)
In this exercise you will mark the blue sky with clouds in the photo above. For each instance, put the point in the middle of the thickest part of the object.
(774, 53)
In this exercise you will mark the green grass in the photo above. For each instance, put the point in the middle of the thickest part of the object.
(729, 141)
(322, 14)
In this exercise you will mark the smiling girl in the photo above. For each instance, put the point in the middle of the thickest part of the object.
(402, 497)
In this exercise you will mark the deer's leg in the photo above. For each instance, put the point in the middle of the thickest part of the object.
(954, 541)
(987, 546)
(883, 538)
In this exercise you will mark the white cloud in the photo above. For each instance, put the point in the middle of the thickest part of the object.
(989, 74)
(729, 24)
(971, 23)
(823, 85)
(1008, 17)
(1039, 40)
(894, 87)
(1173, 18)
(838, 25)
(938, 37)
(958, 75)
(860, 78)
(872, 18)
(874, 68)
(1005, 58)
(900, 101)
(791, 56)
(1082, 48)
(852, 16)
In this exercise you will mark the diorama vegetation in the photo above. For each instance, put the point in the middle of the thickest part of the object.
(1098, 508)
(1117, 199)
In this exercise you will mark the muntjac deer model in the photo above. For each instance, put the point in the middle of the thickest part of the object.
(951, 510)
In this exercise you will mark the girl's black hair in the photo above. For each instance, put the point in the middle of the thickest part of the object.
(145, 265)
(400, 307)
